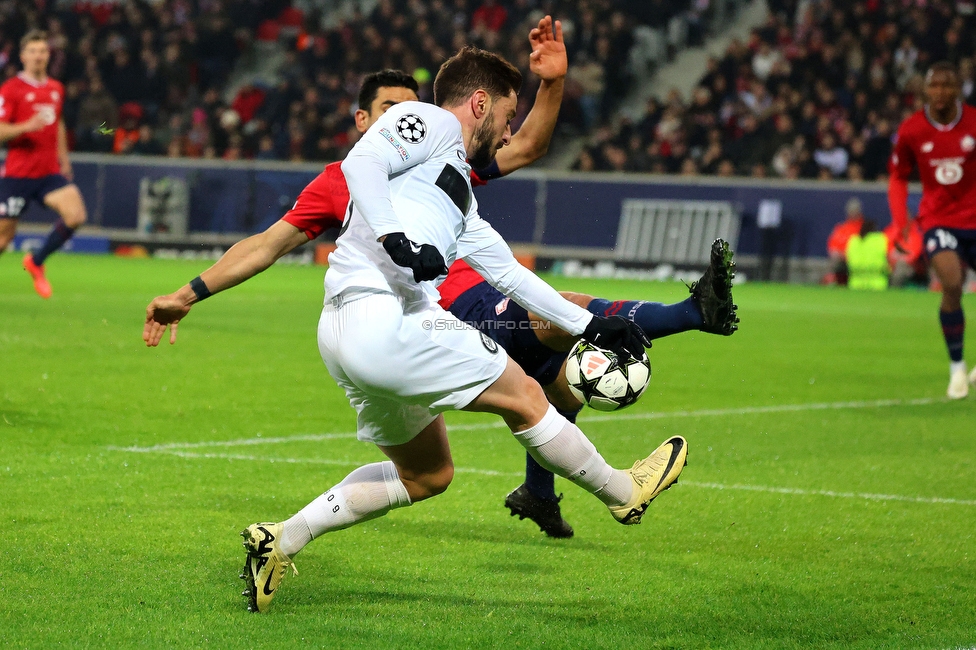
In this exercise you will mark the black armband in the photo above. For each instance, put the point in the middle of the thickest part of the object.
(200, 288)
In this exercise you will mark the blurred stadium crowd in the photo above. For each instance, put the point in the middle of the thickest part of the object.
(157, 72)
(816, 92)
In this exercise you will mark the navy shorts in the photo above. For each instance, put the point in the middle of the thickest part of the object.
(16, 193)
(962, 242)
(507, 323)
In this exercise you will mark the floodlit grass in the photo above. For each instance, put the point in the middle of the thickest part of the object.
(846, 525)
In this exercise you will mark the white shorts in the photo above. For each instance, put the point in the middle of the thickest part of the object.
(401, 367)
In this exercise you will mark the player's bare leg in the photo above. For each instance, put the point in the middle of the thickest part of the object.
(948, 268)
(69, 205)
(417, 470)
(67, 202)
(560, 446)
(8, 228)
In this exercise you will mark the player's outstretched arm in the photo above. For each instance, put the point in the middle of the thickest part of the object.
(548, 60)
(243, 261)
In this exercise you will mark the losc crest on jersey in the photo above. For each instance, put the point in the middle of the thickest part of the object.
(411, 128)
(948, 171)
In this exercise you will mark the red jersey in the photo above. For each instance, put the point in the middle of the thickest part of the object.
(32, 155)
(946, 160)
(324, 204)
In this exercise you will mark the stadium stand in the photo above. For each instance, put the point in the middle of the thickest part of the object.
(817, 92)
(156, 77)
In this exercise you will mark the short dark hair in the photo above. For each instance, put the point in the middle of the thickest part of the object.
(944, 66)
(472, 69)
(31, 36)
(383, 79)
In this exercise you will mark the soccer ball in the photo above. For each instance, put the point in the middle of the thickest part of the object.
(411, 128)
(598, 378)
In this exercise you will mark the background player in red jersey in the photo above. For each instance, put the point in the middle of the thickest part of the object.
(37, 166)
(940, 141)
(323, 203)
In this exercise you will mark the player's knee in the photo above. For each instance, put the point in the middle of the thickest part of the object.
(952, 291)
(435, 482)
(75, 217)
(533, 403)
(581, 299)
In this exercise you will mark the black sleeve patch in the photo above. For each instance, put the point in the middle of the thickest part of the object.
(453, 183)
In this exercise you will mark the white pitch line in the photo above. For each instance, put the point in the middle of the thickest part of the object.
(830, 493)
(865, 496)
(298, 461)
(776, 408)
(498, 424)
(242, 442)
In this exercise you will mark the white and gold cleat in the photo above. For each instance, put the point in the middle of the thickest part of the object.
(265, 564)
(651, 477)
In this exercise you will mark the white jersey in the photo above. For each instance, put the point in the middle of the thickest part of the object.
(409, 174)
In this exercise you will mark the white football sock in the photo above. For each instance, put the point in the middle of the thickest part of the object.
(559, 446)
(367, 493)
(957, 366)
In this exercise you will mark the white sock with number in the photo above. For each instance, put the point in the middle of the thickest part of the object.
(559, 446)
(367, 493)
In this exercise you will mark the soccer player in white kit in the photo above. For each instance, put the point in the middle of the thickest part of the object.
(403, 360)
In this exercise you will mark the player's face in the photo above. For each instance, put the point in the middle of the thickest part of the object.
(386, 97)
(494, 131)
(941, 90)
(34, 56)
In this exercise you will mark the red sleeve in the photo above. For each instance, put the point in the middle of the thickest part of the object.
(322, 204)
(476, 180)
(899, 170)
(7, 103)
(898, 201)
(902, 160)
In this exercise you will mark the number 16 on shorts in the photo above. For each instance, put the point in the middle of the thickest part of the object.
(938, 240)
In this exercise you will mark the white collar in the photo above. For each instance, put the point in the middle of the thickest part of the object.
(26, 78)
(945, 127)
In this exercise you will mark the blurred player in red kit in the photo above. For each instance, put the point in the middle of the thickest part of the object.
(37, 166)
(940, 141)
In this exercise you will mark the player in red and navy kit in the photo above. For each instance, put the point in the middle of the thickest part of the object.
(37, 166)
(323, 205)
(940, 141)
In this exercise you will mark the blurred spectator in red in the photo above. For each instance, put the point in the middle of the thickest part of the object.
(127, 133)
(247, 102)
(490, 16)
(837, 242)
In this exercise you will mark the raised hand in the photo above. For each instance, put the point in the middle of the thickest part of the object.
(548, 59)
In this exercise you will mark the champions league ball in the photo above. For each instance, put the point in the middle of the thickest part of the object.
(598, 378)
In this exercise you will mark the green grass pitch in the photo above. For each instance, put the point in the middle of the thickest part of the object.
(829, 500)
